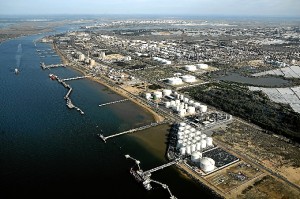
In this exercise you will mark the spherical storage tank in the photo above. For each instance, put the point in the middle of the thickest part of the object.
(196, 156)
(207, 164)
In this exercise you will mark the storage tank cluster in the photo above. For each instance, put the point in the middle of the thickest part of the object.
(183, 105)
(190, 140)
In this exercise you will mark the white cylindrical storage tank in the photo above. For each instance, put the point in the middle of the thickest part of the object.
(191, 135)
(181, 128)
(181, 97)
(182, 113)
(198, 138)
(207, 164)
(195, 157)
(198, 132)
(184, 144)
(173, 103)
(202, 66)
(188, 78)
(167, 104)
(188, 150)
(186, 100)
(180, 133)
(157, 94)
(203, 136)
(209, 141)
(188, 143)
(177, 102)
(203, 108)
(186, 132)
(174, 81)
(188, 126)
(181, 137)
(191, 102)
(186, 106)
(191, 110)
(203, 144)
(167, 92)
(148, 95)
(194, 141)
(197, 104)
(198, 146)
(182, 150)
(179, 143)
(193, 147)
(193, 129)
(183, 124)
(190, 68)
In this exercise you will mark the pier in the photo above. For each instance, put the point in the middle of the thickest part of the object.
(44, 66)
(160, 167)
(144, 177)
(74, 78)
(69, 103)
(131, 130)
(119, 101)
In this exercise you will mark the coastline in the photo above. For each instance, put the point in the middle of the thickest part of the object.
(156, 116)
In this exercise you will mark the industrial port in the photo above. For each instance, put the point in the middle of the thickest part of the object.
(157, 72)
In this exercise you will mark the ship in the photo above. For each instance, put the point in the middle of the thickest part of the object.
(16, 71)
(53, 77)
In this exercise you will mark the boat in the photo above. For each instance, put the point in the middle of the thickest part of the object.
(53, 77)
(16, 71)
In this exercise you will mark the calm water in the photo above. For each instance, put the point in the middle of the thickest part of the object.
(48, 150)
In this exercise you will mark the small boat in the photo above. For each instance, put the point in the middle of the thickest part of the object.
(16, 71)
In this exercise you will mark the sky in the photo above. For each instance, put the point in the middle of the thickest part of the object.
(161, 7)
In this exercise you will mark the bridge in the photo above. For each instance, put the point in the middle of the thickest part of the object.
(74, 78)
(124, 100)
(131, 130)
(44, 66)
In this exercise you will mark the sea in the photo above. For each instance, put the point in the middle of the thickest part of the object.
(48, 150)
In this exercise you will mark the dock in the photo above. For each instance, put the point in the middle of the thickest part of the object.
(119, 101)
(75, 78)
(44, 66)
(144, 177)
(131, 130)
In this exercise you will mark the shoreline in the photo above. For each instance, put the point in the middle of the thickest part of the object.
(156, 116)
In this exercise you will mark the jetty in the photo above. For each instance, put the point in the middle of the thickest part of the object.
(144, 177)
(44, 66)
(75, 78)
(119, 101)
(131, 130)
